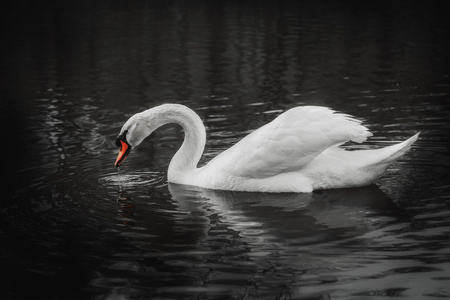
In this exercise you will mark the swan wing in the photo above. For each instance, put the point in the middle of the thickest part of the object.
(289, 142)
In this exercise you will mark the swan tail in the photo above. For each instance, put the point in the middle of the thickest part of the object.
(375, 162)
(337, 167)
(392, 153)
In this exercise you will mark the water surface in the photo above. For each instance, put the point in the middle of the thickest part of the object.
(72, 228)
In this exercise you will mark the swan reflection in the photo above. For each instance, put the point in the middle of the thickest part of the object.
(307, 217)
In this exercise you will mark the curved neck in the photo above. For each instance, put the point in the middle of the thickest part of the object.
(190, 152)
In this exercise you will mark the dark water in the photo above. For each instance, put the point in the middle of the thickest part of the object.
(72, 73)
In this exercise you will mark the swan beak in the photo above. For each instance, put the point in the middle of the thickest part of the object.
(125, 149)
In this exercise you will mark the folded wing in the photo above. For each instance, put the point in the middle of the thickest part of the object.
(290, 142)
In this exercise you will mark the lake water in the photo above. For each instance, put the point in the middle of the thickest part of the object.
(72, 73)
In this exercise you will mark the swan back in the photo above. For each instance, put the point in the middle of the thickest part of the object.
(290, 142)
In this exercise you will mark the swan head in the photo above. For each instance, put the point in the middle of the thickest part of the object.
(142, 124)
(133, 132)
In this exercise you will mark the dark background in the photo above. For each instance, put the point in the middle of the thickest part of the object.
(72, 72)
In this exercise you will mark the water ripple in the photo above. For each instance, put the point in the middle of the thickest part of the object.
(133, 179)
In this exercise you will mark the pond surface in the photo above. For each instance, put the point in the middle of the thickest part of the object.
(71, 227)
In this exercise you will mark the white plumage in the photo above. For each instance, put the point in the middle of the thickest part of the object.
(297, 152)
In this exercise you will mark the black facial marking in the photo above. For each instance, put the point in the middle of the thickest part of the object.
(122, 137)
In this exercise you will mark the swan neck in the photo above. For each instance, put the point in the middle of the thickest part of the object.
(187, 157)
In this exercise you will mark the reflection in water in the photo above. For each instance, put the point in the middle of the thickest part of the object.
(332, 212)
(126, 210)
(256, 245)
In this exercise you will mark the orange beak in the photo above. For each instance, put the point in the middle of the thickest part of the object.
(123, 153)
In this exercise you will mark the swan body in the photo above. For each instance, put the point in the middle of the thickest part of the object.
(297, 152)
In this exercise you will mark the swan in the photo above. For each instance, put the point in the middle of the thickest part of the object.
(299, 151)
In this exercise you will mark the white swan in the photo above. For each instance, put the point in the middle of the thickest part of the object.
(297, 152)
